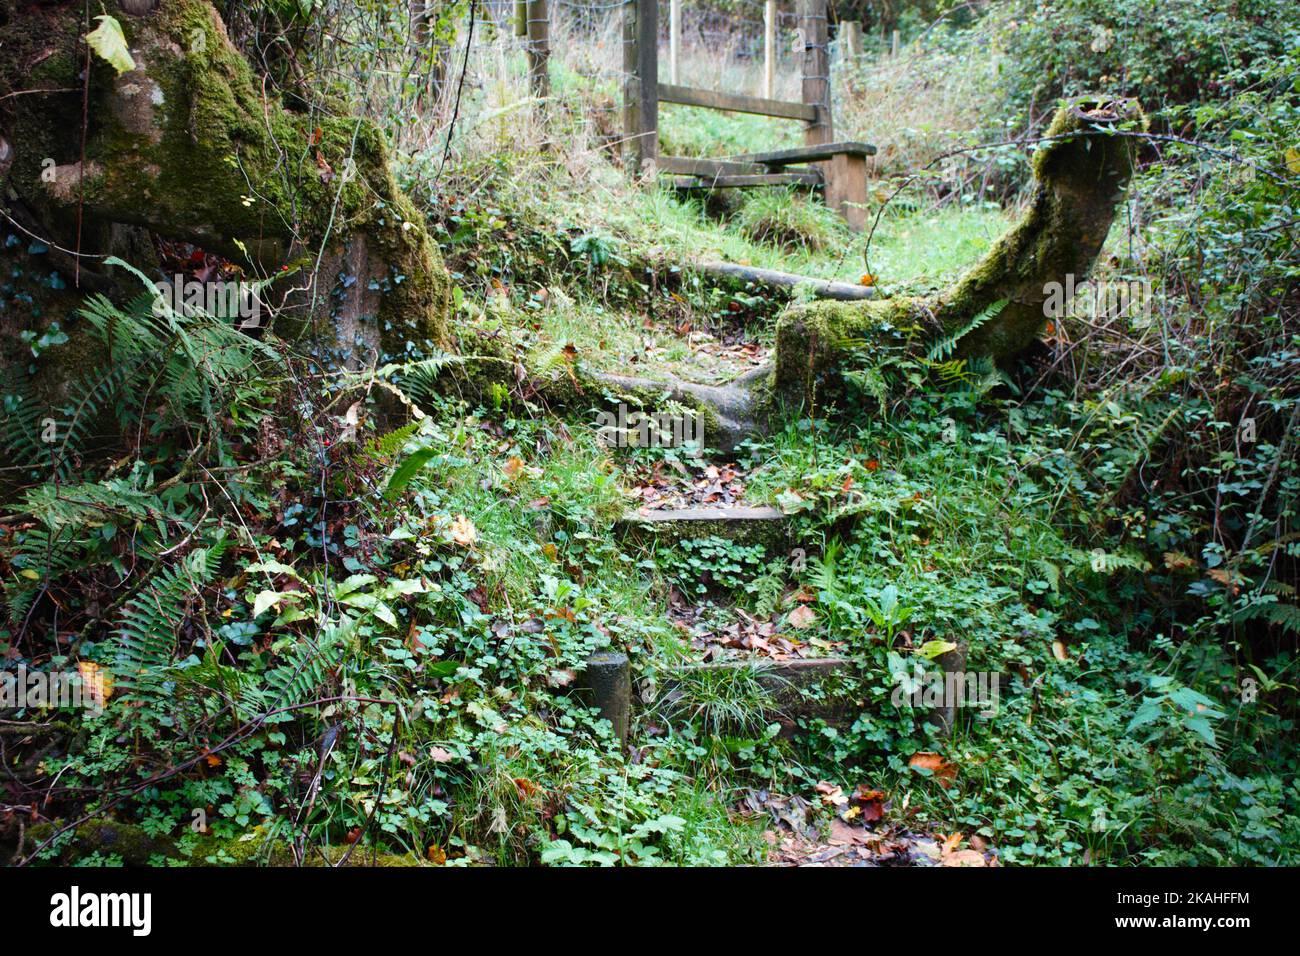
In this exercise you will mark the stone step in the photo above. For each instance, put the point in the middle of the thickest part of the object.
(761, 524)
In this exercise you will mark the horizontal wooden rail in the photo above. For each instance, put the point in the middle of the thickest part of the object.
(807, 154)
(745, 181)
(736, 103)
(693, 166)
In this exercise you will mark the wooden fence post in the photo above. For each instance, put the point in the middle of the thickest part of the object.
(851, 35)
(769, 49)
(816, 70)
(539, 47)
(640, 85)
(674, 39)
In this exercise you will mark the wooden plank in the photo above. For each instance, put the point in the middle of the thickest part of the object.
(694, 166)
(640, 85)
(807, 154)
(735, 103)
(812, 178)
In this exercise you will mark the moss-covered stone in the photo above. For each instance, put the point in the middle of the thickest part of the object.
(190, 145)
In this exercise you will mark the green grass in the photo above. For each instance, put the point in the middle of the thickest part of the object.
(690, 131)
(908, 250)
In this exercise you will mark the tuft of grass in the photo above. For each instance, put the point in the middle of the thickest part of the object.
(788, 219)
(721, 702)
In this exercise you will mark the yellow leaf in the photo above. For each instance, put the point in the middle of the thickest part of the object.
(514, 467)
(1293, 160)
(31, 574)
(107, 40)
(1059, 651)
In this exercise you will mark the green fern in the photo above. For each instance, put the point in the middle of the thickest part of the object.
(146, 639)
(1285, 616)
(944, 348)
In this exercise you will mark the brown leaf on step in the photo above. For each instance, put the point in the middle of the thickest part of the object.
(927, 760)
(802, 617)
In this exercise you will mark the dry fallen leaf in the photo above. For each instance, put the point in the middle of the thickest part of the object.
(438, 755)
(463, 531)
(831, 794)
(801, 617)
(964, 858)
(436, 855)
(1059, 651)
(514, 467)
(870, 802)
(927, 760)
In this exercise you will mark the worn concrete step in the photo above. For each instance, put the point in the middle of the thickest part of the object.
(761, 524)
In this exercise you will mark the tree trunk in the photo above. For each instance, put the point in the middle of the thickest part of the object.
(1081, 173)
(190, 146)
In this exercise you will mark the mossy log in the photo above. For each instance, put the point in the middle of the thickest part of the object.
(1080, 173)
(189, 145)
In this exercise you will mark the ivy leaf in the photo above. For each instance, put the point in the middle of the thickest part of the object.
(108, 41)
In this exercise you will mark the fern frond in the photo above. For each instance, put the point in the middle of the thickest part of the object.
(944, 348)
